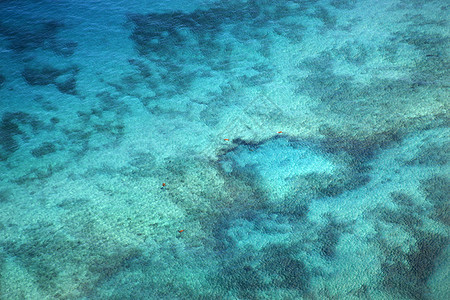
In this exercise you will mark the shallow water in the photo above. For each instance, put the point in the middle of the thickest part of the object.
(224, 149)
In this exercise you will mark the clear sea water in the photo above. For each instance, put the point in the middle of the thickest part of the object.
(234, 149)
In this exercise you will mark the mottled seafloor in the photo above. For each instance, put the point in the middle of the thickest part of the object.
(304, 147)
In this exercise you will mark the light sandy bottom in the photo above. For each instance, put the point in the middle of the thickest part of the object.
(224, 150)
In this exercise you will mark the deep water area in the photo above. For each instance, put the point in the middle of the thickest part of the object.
(235, 149)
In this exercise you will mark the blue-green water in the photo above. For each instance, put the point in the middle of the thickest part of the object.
(238, 149)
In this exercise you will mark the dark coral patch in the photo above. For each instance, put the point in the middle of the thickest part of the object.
(275, 266)
(437, 190)
(354, 53)
(14, 128)
(329, 237)
(10, 127)
(430, 156)
(39, 252)
(239, 274)
(406, 218)
(343, 4)
(407, 273)
(44, 149)
(4, 196)
(63, 79)
(178, 40)
(421, 261)
(283, 269)
(361, 150)
(42, 76)
(32, 35)
(329, 20)
(442, 212)
(67, 86)
(402, 199)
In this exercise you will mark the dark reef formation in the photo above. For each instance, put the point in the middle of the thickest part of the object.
(63, 79)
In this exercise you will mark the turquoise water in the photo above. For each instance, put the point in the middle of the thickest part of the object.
(224, 149)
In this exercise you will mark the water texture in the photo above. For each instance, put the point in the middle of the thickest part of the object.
(238, 149)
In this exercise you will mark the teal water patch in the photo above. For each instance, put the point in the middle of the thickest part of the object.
(103, 102)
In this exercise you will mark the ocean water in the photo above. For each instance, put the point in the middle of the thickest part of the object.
(235, 149)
